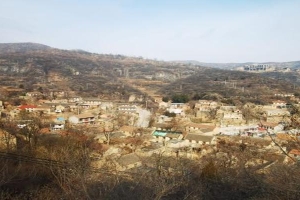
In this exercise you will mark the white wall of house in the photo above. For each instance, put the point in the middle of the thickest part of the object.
(74, 120)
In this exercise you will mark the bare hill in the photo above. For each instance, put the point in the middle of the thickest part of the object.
(36, 67)
(39, 67)
(221, 84)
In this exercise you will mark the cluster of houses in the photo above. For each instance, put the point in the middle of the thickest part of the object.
(191, 130)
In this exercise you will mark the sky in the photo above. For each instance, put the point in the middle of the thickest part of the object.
(203, 30)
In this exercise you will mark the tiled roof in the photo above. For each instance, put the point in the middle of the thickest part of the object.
(196, 137)
(85, 115)
(295, 151)
(204, 127)
(23, 107)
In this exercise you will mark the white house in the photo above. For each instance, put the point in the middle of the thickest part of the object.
(127, 108)
(85, 118)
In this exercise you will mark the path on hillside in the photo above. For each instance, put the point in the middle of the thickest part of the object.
(146, 89)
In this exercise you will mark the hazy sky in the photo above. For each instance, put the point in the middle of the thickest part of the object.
(203, 30)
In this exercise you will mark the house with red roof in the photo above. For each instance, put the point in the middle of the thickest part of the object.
(28, 108)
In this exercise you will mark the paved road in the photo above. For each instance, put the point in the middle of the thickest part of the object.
(144, 118)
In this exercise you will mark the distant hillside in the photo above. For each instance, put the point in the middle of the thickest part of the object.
(211, 83)
(21, 47)
(292, 64)
(39, 67)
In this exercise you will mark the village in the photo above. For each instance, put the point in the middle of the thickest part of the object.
(132, 132)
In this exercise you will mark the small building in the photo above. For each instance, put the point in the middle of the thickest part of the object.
(279, 104)
(177, 111)
(165, 136)
(59, 108)
(34, 94)
(205, 105)
(74, 99)
(190, 127)
(43, 109)
(196, 140)
(91, 102)
(58, 124)
(85, 118)
(28, 108)
(163, 126)
(127, 108)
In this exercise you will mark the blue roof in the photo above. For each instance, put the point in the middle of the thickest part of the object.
(60, 119)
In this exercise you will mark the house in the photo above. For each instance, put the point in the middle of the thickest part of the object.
(276, 115)
(57, 93)
(229, 115)
(43, 109)
(190, 127)
(163, 126)
(163, 119)
(106, 105)
(205, 105)
(165, 136)
(177, 105)
(237, 115)
(162, 104)
(177, 111)
(127, 108)
(59, 108)
(58, 124)
(85, 118)
(74, 99)
(34, 94)
(128, 161)
(279, 104)
(197, 140)
(175, 144)
(91, 102)
(272, 127)
(28, 108)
